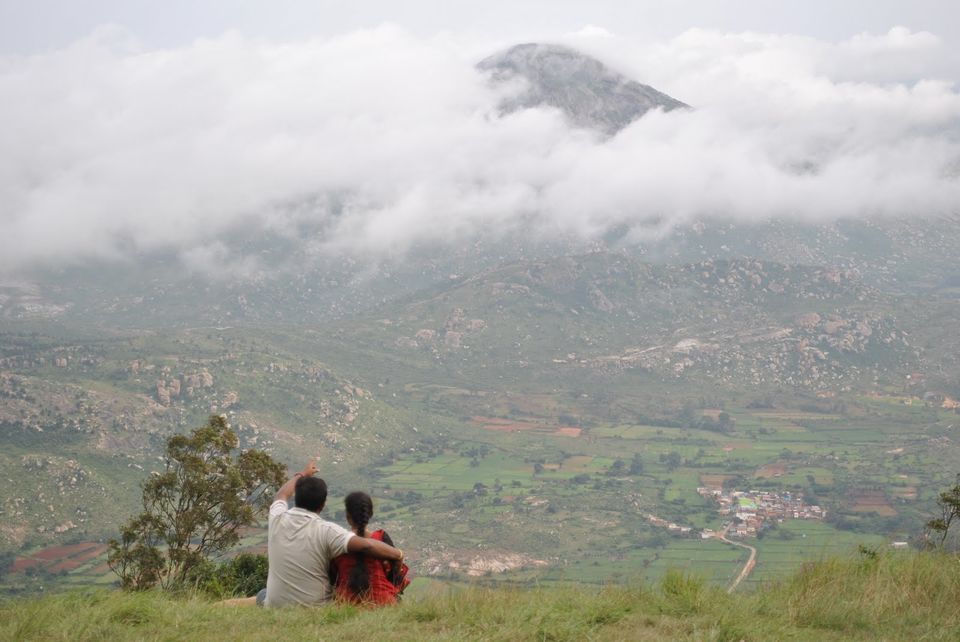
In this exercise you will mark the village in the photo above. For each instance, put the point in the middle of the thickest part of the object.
(751, 511)
(745, 513)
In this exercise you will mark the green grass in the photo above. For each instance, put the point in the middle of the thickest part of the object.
(894, 597)
(711, 560)
(811, 541)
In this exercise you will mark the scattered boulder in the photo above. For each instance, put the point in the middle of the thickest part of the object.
(163, 395)
(229, 400)
(453, 339)
(808, 320)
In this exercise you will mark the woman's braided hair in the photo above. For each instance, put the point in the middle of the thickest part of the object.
(359, 507)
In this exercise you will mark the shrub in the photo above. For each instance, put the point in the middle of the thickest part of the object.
(243, 575)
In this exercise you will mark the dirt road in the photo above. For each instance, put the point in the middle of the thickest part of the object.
(748, 567)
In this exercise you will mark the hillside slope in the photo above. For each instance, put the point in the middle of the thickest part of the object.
(732, 323)
(589, 93)
(896, 597)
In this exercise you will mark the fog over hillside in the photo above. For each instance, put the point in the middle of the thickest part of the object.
(370, 142)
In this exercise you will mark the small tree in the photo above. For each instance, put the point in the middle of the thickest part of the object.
(636, 465)
(6, 561)
(949, 503)
(617, 467)
(193, 509)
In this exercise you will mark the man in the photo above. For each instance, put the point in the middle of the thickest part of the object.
(300, 544)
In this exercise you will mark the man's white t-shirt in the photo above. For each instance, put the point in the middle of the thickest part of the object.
(300, 545)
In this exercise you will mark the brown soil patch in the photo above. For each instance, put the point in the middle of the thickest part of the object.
(65, 565)
(907, 492)
(772, 470)
(713, 482)
(713, 413)
(577, 463)
(53, 553)
(514, 425)
(506, 425)
(872, 501)
(59, 552)
(23, 563)
(96, 551)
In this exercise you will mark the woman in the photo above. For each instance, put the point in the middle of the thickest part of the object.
(358, 578)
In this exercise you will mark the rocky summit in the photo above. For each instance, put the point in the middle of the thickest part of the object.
(589, 93)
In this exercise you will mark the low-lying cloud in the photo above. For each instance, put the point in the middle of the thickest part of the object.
(377, 140)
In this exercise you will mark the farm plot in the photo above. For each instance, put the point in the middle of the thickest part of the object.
(709, 559)
(519, 425)
(81, 564)
(452, 472)
(872, 501)
(794, 542)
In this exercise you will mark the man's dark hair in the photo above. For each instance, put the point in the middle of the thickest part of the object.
(310, 493)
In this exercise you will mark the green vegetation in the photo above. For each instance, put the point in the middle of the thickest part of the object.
(243, 575)
(877, 596)
(522, 426)
(194, 509)
(949, 504)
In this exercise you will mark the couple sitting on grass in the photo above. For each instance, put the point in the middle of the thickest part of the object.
(312, 560)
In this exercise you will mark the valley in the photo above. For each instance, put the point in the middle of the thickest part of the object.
(519, 425)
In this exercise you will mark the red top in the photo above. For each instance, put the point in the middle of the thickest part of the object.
(382, 591)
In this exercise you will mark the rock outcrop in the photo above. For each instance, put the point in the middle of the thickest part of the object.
(589, 93)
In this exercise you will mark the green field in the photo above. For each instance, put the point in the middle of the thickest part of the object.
(506, 460)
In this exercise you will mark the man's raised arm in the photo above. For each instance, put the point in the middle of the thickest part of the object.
(286, 491)
(374, 548)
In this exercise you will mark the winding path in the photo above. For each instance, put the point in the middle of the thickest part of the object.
(722, 536)
(748, 567)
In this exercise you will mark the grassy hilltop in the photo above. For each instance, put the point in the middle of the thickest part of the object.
(886, 597)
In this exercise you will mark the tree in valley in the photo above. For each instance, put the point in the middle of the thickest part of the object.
(617, 468)
(6, 562)
(194, 509)
(938, 529)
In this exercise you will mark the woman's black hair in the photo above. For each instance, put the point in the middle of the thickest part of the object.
(395, 574)
(359, 507)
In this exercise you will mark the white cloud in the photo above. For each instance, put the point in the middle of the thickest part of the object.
(898, 38)
(376, 140)
(592, 31)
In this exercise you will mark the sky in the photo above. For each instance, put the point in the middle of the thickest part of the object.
(44, 24)
(134, 127)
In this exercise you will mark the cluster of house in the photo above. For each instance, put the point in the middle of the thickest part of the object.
(751, 510)
(675, 529)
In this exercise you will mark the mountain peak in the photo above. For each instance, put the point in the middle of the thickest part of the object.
(588, 92)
